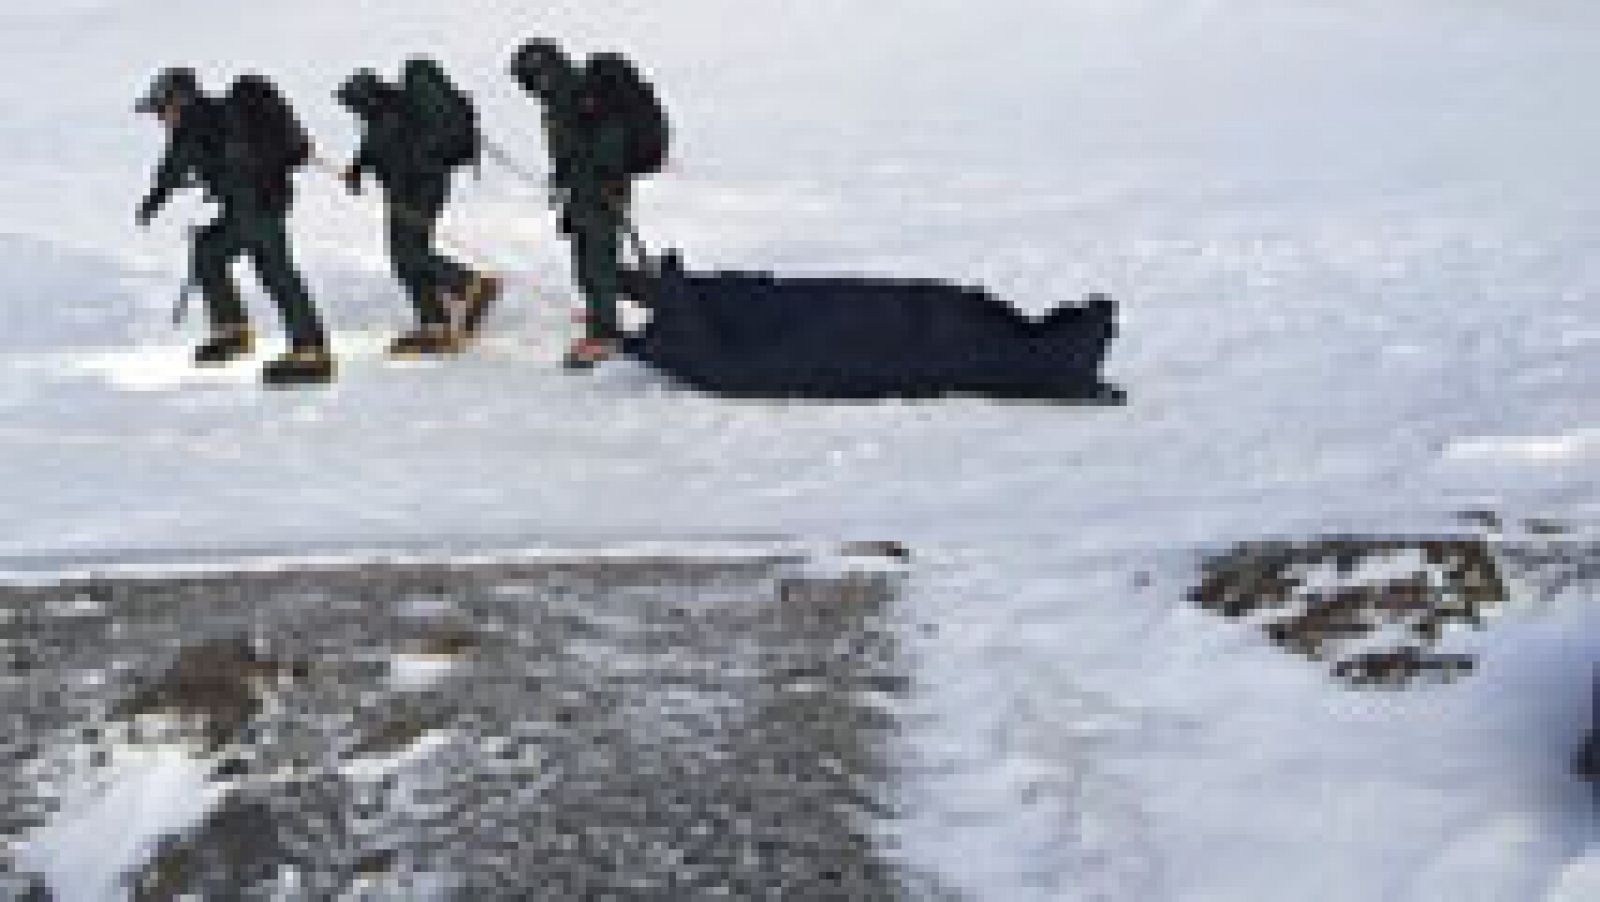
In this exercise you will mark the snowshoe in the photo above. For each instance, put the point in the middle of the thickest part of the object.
(225, 346)
(475, 303)
(302, 366)
(426, 341)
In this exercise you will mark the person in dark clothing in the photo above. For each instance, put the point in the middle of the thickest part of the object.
(590, 183)
(415, 175)
(218, 144)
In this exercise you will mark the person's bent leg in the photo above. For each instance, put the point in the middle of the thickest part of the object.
(216, 246)
(412, 214)
(449, 275)
(460, 290)
(411, 225)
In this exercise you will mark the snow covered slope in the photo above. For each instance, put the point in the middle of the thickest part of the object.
(1355, 246)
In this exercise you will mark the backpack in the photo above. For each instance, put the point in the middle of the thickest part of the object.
(448, 122)
(260, 118)
(619, 93)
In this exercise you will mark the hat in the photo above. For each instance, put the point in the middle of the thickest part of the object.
(536, 60)
(361, 90)
(175, 85)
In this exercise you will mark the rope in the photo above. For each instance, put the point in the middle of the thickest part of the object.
(447, 241)
(454, 246)
(542, 184)
(498, 154)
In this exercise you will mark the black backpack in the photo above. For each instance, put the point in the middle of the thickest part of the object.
(264, 123)
(619, 93)
(446, 117)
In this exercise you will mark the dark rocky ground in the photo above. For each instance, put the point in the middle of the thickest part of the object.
(618, 728)
(1381, 610)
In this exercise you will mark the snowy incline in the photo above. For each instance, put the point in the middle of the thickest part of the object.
(1355, 247)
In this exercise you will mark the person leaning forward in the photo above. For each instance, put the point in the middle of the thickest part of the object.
(415, 175)
(590, 183)
(242, 151)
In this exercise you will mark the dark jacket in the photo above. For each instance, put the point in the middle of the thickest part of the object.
(588, 150)
(196, 152)
(212, 147)
(209, 147)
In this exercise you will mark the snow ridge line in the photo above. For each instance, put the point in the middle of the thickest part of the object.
(148, 567)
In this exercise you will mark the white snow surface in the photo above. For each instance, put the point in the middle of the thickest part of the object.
(1355, 242)
(110, 827)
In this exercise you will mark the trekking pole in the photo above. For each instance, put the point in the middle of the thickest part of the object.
(180, 310)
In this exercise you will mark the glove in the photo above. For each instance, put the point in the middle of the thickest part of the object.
(145, 213)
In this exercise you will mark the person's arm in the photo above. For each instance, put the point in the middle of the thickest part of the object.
(172, 174)
(364, 161)
(366, 157)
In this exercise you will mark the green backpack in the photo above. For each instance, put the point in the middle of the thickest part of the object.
(448, 123)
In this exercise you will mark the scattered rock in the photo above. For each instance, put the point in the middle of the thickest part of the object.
(1324, 597)
(216, 687)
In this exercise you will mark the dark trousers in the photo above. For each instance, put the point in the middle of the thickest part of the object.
(415, 204)
(263, 236)
(594, 222)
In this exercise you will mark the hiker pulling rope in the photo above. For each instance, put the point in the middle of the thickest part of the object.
(243, 149)
(542, 185)
(604, 128)
(415, 136)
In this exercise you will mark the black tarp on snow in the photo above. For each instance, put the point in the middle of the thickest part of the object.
(758, 335)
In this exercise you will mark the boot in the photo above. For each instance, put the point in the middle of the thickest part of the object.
(426, 340)
(587, 353)
(227, 344)
(480, 294)
(310, 365)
